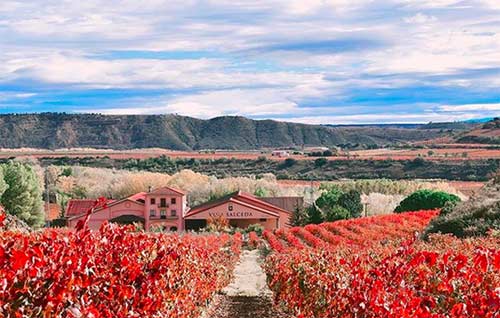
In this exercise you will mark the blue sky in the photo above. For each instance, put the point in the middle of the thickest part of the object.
(314, 61)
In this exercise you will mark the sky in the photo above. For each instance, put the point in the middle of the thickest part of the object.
(310, 61)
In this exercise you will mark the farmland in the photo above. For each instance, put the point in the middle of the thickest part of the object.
(375, 267)
(307, 168)
(452, 152)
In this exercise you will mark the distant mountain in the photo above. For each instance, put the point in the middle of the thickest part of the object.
(61, 130)
(479, 120)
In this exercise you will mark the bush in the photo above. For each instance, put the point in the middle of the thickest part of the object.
(476, 217)
(257, 228)
(337, 212)
(320, 162)
(425, 200)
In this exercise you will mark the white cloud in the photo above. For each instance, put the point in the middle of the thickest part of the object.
(470, 107)
(420, 18)
(52, 42)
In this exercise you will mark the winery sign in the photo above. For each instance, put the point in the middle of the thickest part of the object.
(231, 214)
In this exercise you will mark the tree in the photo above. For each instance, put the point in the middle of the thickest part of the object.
(336, 213)
(299, 217)
(425, 200)
(330, 197)
(3, 185)
(351, 201)
(314, 215)
(23, 197)
(260, 192)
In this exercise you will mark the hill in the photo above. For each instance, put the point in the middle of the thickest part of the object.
(488, 133)
(60, 130)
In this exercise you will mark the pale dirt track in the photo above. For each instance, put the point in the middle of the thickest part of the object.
(248, 294)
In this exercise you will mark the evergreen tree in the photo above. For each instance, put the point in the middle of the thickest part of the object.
(299, 217)
(315, 216)
(3, 185)
(23, 197)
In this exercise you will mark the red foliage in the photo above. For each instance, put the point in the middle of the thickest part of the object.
(253, 240)
(113, 272)
(273, 241)
(377, 268)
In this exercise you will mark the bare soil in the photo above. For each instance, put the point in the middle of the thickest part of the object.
(248, 294)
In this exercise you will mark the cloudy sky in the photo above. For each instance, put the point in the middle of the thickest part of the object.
(314, 61)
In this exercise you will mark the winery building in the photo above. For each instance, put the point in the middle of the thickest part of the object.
(167, 208)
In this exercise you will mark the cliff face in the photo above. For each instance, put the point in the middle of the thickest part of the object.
(51, 130)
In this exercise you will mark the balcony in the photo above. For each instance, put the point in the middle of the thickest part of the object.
(164, 217)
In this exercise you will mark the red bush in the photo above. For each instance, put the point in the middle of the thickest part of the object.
(113, 272)
(378, 269)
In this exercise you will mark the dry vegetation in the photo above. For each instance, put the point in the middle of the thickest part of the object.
(380, 196)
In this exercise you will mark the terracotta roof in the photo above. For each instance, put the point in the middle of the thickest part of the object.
(138, 196)
(78, 206)
(167, 190)
(240, 198)
(109, 203)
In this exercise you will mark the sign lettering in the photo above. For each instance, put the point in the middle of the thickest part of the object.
(230, 214)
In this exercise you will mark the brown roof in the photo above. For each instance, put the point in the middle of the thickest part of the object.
(286, 203)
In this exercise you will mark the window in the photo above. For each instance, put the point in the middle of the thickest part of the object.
(173, 213)
(173, 201)
(163, 202)
(152, 201)
(230, 207)
(152, 212)
(163, 214)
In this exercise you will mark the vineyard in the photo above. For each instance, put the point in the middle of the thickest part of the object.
(366, 267)
(114, 272)
(376, 267)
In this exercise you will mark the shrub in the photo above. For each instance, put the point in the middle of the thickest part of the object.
(257, 228)
(425, 200)
(476, 217)
(337, 212)
(320, 162)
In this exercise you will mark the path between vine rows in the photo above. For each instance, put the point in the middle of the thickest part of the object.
(247, 295)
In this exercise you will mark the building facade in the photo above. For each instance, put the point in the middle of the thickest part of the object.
(167, 208)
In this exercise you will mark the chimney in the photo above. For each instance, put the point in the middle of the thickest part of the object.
(150, 188)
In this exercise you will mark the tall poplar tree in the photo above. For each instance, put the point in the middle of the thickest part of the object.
(23, 197)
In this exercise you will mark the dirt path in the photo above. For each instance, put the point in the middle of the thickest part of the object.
(248, 294)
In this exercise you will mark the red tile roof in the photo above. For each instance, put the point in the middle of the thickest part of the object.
(138, 196)
(238, 197)
(78, 206)
(168, 190)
